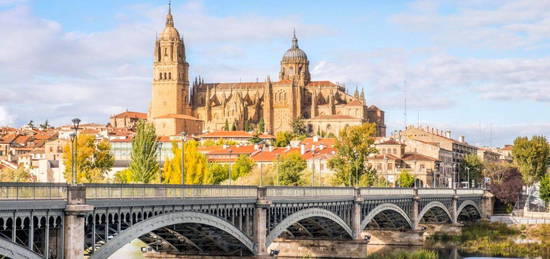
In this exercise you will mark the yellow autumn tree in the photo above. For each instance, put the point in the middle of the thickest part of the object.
(195, 163)
(94, 160)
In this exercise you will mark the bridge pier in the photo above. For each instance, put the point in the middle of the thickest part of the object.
(454, 206)
(415, 210)
(260, 223)
(356, 215)
(487, 204)
(75, 211)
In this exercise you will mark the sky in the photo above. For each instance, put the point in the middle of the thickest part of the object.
(478, 68)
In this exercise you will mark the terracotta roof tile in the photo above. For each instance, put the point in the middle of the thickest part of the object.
(130, 114)
(233, 134)
(416, 156)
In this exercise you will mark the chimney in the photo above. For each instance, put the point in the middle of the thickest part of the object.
(448, 134)
(302, 149)
(270, 149)
(315, 138)
(461, 139)
(256, 146)
(321, 147)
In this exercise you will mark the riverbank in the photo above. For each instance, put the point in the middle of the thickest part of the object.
(497, 239)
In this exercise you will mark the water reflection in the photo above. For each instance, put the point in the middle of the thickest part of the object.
(133, 251)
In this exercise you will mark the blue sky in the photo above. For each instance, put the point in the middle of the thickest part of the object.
(478, 68)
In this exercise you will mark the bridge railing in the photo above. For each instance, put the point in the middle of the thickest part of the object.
(462, 192)
(436, 192)
(147, 191)
(386, 191)
(33, 191)
(283, 191)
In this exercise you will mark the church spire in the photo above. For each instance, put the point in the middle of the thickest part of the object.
(169, 18)
(294, 39)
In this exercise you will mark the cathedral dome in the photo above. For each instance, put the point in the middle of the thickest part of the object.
(170, 33)
(294, 53)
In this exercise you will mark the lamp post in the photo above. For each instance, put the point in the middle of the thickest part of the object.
(183, 134)
(74, 138)
(468, 170)
(229, 171)
(454, 176)
(313, 166)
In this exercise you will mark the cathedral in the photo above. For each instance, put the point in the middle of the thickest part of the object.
(324, 106)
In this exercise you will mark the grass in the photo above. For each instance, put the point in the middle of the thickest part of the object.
(498, 239)
(403, 254)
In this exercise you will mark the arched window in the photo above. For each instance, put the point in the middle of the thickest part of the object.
(160, 76)
(169, 75)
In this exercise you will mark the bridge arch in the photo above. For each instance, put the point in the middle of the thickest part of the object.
(13, 250)
(432, 205)
(385, 207)
(304, 214)
(163, 220)
(466, 204)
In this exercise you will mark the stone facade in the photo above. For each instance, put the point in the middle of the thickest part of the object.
(324, 105)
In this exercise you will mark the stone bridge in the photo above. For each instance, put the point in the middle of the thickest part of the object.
(41, 220)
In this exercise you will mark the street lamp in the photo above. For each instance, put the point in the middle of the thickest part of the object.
(454, 176)
(468, 169)
(74, 139)
(229, 171)
(313, 166)
(183, 134)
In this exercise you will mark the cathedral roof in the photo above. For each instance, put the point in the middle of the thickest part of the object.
(294, 53)
(262, 84)
(355, 103)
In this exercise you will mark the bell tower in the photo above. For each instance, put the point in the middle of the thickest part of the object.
(170, 88)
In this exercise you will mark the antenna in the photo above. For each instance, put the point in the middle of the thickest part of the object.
(418, 119)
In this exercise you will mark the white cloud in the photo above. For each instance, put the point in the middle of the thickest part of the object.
(50, 73)
(5, 117)
(489, 24)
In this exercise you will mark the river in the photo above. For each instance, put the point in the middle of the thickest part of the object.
(133, 251)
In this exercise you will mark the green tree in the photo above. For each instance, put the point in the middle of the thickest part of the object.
(226, 126)
(370, 178)
(405, 179)
(471, 165)
(531, 157)
(219, 172)
(283, 138)
(45, 125)
(241, 167)
(93, 160)
(544, 189)
(247, 126)
(255, 139)
(31, 124)
(261, 125)
(298, 127)
(290, 169)
(353, 146)
(16, 175)
(233, 127)
(144, 163)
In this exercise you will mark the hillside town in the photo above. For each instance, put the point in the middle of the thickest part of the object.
(432, 156)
